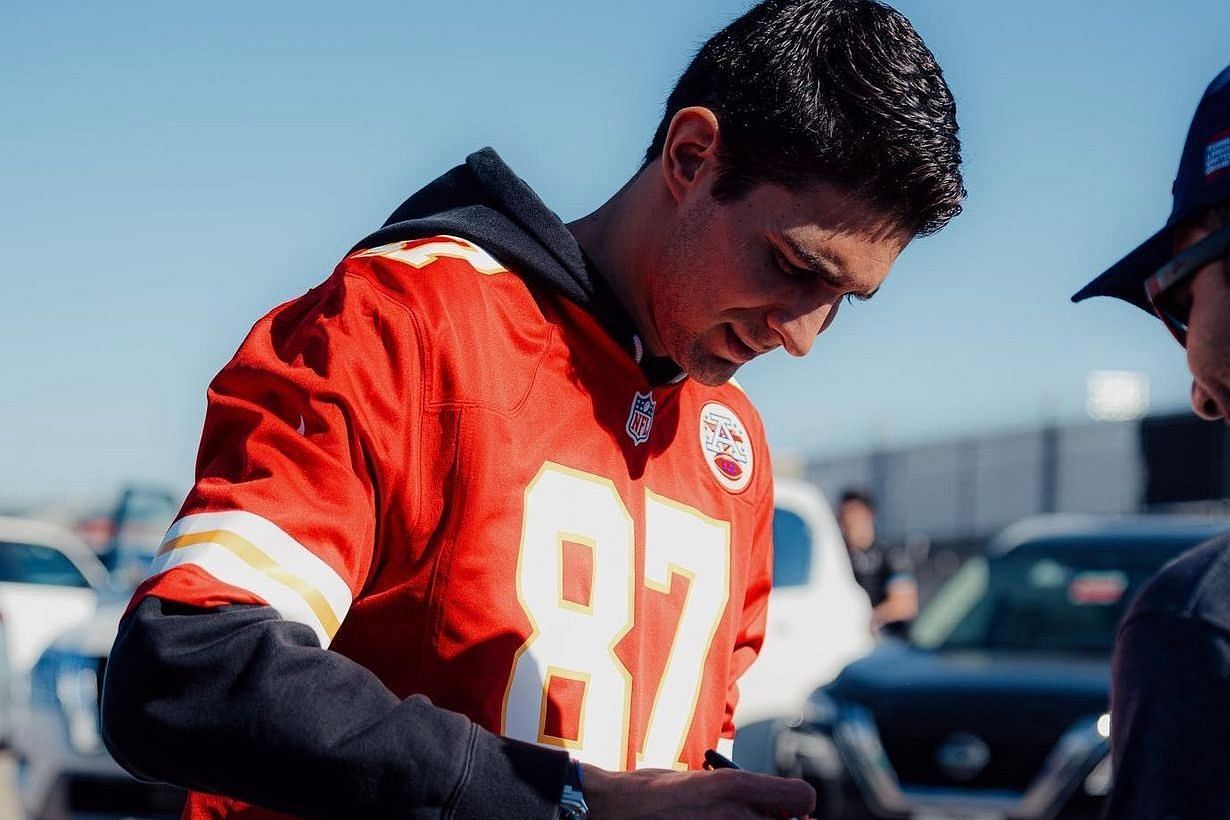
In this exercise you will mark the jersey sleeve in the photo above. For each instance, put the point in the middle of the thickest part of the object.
(754, 616)
(283, 510)
(217, 681)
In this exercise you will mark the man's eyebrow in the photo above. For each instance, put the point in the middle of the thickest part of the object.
(826, 265)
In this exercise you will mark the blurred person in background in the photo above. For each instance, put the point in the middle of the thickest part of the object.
(1170, 692)
(886, 575)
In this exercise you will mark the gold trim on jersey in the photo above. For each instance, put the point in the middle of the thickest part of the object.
(244, 550)
(425, 253)
(261, 562)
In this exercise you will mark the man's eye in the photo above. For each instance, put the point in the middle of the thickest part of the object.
(1182, 295)
(793, 271)
(1178, 299)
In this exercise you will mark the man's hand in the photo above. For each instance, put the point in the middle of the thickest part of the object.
(725, 794)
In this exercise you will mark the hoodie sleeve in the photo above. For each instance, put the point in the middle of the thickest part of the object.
(1169, 679)
(1168, 719)
(237, 701)
(221, 679)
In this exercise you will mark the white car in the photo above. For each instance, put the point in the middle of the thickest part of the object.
(63, 769)
(819, 620)
(49, 580)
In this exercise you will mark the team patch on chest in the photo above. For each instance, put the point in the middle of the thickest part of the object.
(725, 445)
(640, 418)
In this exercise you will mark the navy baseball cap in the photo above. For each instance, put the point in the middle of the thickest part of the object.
(1203, 180)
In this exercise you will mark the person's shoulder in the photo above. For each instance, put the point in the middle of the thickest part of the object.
(481, 331)
(435, 274)
(1195, 585)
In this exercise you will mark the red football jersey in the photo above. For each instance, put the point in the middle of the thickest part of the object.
(458, 479)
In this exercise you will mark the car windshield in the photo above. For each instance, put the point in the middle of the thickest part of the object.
(1059, 596)
(38, 564)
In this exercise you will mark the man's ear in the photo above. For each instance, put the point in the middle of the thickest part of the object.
(689, 155)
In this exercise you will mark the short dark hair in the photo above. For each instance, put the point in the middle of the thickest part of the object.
(836, 91)
(859, 496)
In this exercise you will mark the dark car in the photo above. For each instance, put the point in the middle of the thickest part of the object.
(996, 708)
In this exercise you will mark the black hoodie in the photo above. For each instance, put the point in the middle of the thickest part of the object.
(185, 686)
(485, 202)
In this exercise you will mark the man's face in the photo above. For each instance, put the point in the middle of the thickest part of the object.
(1208, 329)
(857, 523)
(769, 270)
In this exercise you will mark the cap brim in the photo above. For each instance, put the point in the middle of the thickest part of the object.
(1126, 278)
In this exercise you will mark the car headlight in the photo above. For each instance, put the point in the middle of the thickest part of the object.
(69, 682)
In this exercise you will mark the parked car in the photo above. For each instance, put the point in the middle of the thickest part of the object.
(6, 689)
(126, 535)
(63, 769)
(997, 706)
(51, 586)
(819, 620)
(49, 580)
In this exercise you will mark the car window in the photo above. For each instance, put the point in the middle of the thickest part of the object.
(1057, 598)
(38, 564)
(792, 548)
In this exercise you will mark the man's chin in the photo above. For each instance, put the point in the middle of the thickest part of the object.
(711, 372)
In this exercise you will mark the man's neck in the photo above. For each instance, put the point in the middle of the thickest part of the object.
(619, 238)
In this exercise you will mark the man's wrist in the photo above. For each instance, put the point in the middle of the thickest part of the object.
(572, 805)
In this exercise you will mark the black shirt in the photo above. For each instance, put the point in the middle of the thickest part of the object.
(1170, 693)
(876, 567)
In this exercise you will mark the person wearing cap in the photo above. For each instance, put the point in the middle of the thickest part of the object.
(1170, 690)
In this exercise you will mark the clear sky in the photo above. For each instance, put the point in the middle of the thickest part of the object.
(170, 171)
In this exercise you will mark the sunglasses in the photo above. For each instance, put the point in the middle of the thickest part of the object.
(1172, 304)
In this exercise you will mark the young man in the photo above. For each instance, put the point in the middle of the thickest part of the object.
(1171, 681)
(495, 465)
(886, 577)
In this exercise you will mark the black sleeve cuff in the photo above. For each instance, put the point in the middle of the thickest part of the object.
(238, 702)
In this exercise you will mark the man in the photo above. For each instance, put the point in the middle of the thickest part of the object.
(495, 465)
(887, 577)
(1170, 698)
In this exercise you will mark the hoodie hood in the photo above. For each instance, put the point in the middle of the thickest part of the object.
(485, 202)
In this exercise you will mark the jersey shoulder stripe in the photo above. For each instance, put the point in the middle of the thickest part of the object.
(419, 253)
(250, 552)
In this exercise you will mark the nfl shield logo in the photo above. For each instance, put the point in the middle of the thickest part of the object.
(640, 418)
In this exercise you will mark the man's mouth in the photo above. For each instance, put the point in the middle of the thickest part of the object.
(739, 351)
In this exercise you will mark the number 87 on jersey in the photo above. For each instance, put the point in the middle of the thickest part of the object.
(574, 678)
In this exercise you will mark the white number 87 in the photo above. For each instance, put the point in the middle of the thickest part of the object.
(577, 641)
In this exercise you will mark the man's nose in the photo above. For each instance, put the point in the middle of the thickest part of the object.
(1204, 404)
(798, 332)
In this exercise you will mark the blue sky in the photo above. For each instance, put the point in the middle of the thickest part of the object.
(171, 171)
